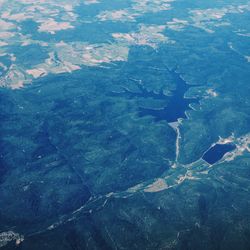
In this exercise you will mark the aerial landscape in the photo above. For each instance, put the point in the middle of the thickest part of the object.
(125, 124)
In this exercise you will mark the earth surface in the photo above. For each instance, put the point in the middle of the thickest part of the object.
(124, 124)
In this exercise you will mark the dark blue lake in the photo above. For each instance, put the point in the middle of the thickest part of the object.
(216, 152)
(177, 103)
